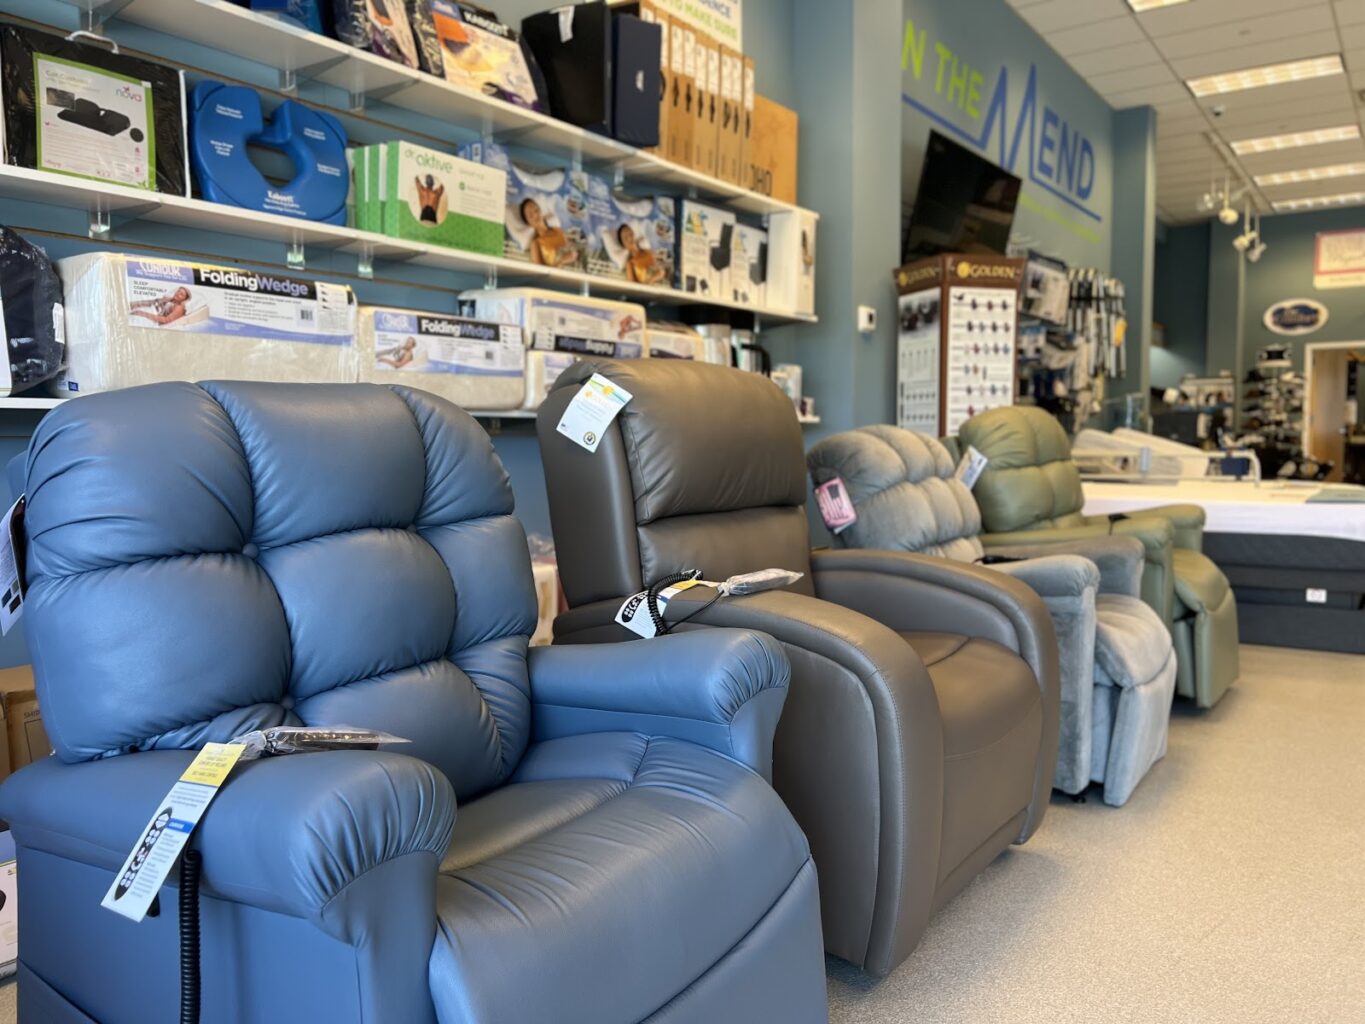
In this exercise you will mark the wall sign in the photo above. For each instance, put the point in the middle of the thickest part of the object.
(1339, 259)
(1295, 316)
(722, 19)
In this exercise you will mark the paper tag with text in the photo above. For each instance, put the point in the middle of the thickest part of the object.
(149, 864)
(634, 612)
(592, 410)
(970, 468)
(11, 566)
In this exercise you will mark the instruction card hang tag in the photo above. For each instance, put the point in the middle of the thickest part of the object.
(835, 507)
(12, 566)
(634, 611)
(150, 862)
(970, 468)
(591, 411)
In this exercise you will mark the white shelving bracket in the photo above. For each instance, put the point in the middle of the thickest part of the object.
(95, 13)
(618, 176)
(490, 278)
(295, 257)
(291, 78)
(585, 289)
(358, 101)
(364, 264)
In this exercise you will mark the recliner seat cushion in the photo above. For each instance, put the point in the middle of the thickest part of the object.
(652, 854)
(1132, 644)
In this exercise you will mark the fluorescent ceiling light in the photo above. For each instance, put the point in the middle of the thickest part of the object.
(1270, 74)
(1271, 143)
(1341, 199)
(1139, 6)
(1310, 174)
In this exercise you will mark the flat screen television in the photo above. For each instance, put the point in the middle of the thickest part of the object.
(964, 203)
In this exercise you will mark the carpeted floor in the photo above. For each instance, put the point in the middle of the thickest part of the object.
(1231, 888)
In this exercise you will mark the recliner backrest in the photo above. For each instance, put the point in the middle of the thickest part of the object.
(1030, 481)
(702, 469)
(208, 559)
(904, 490)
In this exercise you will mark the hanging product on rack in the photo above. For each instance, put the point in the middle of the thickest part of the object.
(1272, 417)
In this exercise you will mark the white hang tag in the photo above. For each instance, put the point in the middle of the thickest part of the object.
(592, 410)
(149, 864)
(11, 585)
(634, 611)
(970, 468)
(565, 24)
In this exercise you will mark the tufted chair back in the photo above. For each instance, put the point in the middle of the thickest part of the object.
(1030, 481)
(703, 469)
(208, 559)
(902, 486)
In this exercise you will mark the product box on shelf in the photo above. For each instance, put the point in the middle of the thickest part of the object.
(9, 905)
(542, 370)
(746, 122)
(32, 317)
(649, 12)
(791, 262)
(705, 244)
(634, 238)
(480, 53)
(23, 737)
(749, 266)
(133, 321)
(226, 119)
(730, 137)
(669, 340)
(545, 216)
(429, 196)
(377, 27)
(682, 115)
(561, 322)
(708, 105)
(475, 364)
(74, 107)
(773, 147)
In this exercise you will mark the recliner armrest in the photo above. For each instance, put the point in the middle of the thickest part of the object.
(723, 689)
(1187, 521)
(1157, 535)
(1049, 575)
(285, 834)
(1118, 559)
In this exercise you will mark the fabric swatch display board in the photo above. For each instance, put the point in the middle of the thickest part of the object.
(957, 319)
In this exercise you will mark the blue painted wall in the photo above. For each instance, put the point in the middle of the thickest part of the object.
(957, 58)
(1181, 303)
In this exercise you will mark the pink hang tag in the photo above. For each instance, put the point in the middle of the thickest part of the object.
(835, 507)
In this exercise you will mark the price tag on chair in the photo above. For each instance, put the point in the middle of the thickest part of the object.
(592, 410)
(12, 566)
(969, 470)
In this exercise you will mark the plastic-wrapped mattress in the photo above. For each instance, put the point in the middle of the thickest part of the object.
(473, 363)
(132, 321)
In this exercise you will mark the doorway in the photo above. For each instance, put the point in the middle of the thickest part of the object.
(1330, 367)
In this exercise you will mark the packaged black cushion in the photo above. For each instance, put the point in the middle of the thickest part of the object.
(424, 35)
(33, 320)
(380, 26)
(79, 108)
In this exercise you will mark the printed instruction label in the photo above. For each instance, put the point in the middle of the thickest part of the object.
(94, 123)
(969, 470)
(199, 299)
(421, 343)
(591, 411)
(634, 612)
(149, 864)
(835, 507)
(11, 582)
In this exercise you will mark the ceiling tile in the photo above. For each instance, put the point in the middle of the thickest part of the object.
(1132, 78)
(1171, 92)
(1058, 15)
(1234, 58)
(1353, 37)
(1349, 12)
(1272, 28)
(1098, 36)
(1169, 21)
(1304, 156)
(1115, 58)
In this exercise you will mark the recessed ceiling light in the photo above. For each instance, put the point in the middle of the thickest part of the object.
(1341, 199)
(1139, 6)
(1270, 74)
(1270, 143)
(1310, 174)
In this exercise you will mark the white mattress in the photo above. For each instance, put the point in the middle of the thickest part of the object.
(1271, 507)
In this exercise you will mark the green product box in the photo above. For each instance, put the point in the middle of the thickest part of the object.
(433, 197)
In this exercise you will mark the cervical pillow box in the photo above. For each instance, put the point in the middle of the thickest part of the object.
(559, 322)
(634, 239)
(475, 364)
(131, 321)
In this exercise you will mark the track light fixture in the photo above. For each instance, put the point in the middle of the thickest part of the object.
(1258, 248)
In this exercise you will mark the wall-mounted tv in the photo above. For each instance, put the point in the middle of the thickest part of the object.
(964, 203)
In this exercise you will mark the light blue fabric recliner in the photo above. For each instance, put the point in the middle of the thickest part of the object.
(207, 559)
(1118, 664)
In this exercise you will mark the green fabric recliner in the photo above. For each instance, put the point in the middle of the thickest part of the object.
(1030, 493)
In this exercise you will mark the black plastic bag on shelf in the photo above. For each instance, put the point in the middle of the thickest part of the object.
(78, 107)
(424, 35)
(31, 297)
(378, 26)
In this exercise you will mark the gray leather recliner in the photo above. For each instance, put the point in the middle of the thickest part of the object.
(920, 731)
(1118, 664)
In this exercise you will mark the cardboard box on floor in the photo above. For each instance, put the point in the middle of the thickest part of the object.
(23, 737)
(772, 150)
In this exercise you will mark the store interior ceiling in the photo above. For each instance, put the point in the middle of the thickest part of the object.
(1301, 138)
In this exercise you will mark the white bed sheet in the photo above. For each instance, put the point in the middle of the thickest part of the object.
(1272, 507)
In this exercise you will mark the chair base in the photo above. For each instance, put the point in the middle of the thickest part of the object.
(1206, 644)
(1131, 725)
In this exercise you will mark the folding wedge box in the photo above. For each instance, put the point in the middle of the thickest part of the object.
(555, 321)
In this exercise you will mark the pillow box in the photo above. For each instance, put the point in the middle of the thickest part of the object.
(634, 239)
(542, 370)
(561, 322)
(546, 218)
(601, 69)
(705, 239)
(377, 26)
(132, 321)
(225, 119)
(749, 266)
(304, 13)
(668, 340)
(648, 11)
(76, 108)
(791, 262)
(475, 364)
(32, 326)
(424, 34)
(480, 53)
(432, 197)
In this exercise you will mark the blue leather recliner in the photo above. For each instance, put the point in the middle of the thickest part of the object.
(209, 559)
